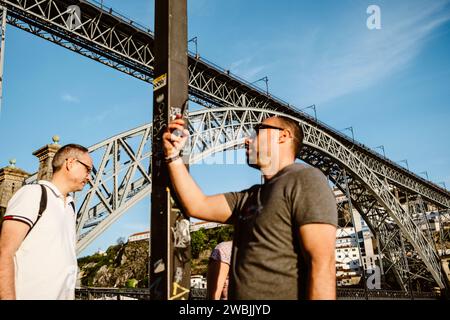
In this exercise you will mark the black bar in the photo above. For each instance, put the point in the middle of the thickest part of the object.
(170, 261)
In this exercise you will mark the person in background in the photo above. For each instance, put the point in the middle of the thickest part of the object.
(218, 268)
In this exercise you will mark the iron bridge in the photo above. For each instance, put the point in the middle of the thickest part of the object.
(374, 185)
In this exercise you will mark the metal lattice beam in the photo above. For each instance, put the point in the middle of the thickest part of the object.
(216, 130)
(110, 39)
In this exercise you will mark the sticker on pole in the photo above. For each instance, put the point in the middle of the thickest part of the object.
(160, 82)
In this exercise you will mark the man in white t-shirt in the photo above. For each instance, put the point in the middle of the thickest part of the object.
(38, 254)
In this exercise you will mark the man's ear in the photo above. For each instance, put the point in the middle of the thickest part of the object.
(68, 164)
(284, 136)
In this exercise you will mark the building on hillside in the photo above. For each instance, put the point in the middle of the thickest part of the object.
(198, 282)
(195, 226)
(139, 236)
(354, 245)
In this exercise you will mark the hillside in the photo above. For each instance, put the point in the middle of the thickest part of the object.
(126, 264)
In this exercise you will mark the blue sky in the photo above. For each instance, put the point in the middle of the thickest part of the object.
(391, 85)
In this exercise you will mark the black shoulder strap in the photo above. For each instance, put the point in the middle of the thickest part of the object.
(43, 203)
(42, 206)
(73, 206)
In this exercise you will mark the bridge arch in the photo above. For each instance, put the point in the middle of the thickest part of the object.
(122, 178)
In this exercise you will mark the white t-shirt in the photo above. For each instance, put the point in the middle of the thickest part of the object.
(45, 263)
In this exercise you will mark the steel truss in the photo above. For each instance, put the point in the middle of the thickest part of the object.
(120, 181)
(111, 39)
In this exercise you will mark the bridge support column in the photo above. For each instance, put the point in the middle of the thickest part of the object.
(3, 13)
(11, 179)
(170, 237)
(45, 156)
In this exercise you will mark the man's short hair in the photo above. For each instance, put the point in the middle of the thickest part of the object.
(68, 151)
(296, 131)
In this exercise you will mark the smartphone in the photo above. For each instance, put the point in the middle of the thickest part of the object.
(178, 112)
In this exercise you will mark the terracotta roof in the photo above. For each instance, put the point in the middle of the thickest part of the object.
(140, 233)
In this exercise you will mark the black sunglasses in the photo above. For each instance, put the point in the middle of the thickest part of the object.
(88, 168)
(261, 126)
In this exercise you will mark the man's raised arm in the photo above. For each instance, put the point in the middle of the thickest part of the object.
(194, 201)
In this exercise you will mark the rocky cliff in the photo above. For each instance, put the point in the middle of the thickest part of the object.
(126, 264)
(123, 265)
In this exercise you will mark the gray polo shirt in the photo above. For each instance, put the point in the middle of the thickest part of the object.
(266, 260)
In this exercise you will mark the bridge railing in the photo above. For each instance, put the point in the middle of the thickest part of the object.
(120, 16)
(111, 294)
(361, 294)
(200, 294)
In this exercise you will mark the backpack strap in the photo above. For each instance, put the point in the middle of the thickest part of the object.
(42, 206)
(73, 206)
(43, 203)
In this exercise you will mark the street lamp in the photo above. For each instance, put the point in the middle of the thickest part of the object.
(443, 183)
(405, 161)
(266, 80)
(426, 174)
(382, 148)
(194, 40)
(351, 130)
(313, 106)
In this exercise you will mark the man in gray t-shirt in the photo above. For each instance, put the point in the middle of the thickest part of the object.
(266, 250)
(285, 229)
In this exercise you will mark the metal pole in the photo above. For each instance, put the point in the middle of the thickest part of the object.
(382, 148)
(2, 53)
(315, 112)
(170, 238)
(266, 79)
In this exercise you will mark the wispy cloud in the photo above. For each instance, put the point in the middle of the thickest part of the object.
(98, 118)
(245, 69)
(67, 97)
(101, 117)
(372, 56)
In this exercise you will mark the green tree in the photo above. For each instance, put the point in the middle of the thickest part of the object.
(131, 283)
(199, 241)
(224, 234)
